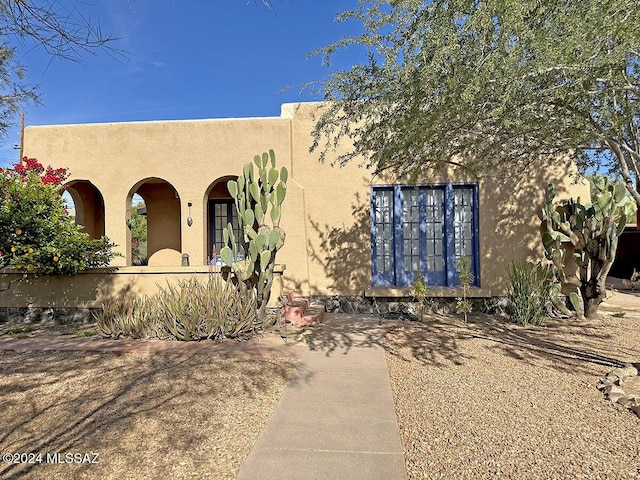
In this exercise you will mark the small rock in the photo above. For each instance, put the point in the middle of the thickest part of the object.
(627, 371)
(632, 385)
(614, 392)
(624, 401)
(611, 379)
(605, 383)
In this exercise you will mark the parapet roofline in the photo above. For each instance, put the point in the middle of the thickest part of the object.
(287, 112)
(159, 122)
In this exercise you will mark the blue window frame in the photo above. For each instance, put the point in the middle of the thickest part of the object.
(423, 228)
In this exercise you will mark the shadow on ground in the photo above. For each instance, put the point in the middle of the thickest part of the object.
(441, 340)
(562, 345)
(72, 402)
(340, 333)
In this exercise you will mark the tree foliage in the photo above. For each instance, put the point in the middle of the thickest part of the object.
(36, 233)
(138, 225)
(487, 86)
(57, 27)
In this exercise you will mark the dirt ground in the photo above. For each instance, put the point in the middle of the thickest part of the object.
(489, 399)
(484, 399)
(145, 416)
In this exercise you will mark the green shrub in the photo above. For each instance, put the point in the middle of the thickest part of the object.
(36, 233)
(530, 292)
(216, 309)
(419, 291)
(188, 310)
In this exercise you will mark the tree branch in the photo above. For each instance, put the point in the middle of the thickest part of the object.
(63, 33)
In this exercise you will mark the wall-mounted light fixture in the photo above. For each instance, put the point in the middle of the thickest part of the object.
(189, 219)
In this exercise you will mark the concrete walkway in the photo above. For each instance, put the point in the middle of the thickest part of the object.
(336, 419)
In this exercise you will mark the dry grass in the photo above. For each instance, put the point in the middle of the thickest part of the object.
(489, 399)
(147, 416)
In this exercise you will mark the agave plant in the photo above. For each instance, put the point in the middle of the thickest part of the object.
(187, 310)
(135, 317)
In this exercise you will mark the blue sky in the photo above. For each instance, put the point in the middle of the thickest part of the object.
(186, 59)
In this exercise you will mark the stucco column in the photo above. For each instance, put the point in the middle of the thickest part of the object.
(194, 236)
(115, 225)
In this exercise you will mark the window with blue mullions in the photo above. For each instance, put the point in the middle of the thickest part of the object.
(423, 229)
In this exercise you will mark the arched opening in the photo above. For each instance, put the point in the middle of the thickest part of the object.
(88, 207)
(220, 211)
(159, 203)
(137, 224)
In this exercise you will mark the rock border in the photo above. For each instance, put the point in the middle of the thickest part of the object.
(622, 386)
(14, 316)
(403, 305)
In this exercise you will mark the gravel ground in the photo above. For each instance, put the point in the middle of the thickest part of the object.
(147, 416)
(489, 399)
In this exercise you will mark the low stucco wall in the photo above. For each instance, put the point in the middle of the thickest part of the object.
(94, 287)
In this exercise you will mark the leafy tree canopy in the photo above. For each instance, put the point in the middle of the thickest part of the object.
(488, 85)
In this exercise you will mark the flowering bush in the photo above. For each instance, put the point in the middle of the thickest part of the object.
(36, 233)
(52, 176)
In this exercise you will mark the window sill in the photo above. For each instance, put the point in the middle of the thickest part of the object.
(437, 292)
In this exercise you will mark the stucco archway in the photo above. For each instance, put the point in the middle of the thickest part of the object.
(89, 207)
(163, 221)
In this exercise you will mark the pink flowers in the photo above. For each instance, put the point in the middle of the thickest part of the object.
(50, 175)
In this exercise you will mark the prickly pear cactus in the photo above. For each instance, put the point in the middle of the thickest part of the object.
(258, 196)
(581, 242)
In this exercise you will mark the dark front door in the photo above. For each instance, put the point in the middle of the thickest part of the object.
(221, 213)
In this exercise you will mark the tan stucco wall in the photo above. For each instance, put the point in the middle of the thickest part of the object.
(188, 155)
(325, 215)
(92, 288)
(338, 215)
(163, 219)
